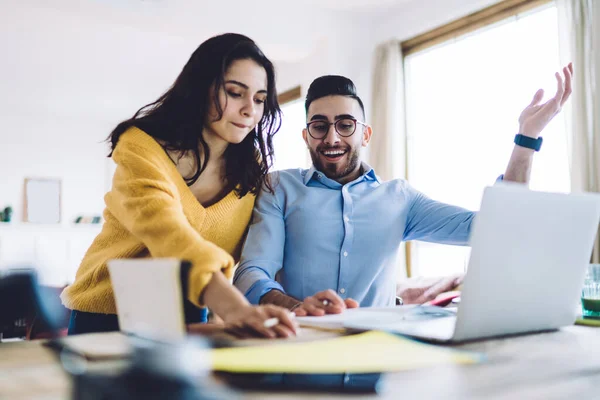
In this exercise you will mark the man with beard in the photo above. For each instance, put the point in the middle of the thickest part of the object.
(330, 234)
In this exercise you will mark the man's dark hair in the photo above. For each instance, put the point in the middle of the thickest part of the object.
(332, 85)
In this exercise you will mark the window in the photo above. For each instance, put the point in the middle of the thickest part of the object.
(290, 149)
(463, 101)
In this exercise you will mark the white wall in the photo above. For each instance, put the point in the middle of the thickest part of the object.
(66, 82)
(71, 70)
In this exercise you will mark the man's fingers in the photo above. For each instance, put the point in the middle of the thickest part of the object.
(411, 295)
(458, 281)
(332, 297)
(312, 310)
(568, 84)
(444, 285)
(424, 298)
(448, 284)
(327, 300)
(560, 88)
(300, 311)
(537, 97)
(351, 303)
(314, 302)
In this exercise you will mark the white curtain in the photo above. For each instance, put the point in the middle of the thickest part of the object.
(388, 144)
(579, 24)
(387, 153)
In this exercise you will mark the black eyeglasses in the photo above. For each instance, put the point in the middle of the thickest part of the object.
(344, 127)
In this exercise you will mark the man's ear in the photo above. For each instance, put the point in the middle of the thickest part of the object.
(305, 136)
(367, 133)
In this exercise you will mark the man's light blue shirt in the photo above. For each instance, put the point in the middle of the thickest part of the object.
(315, 234)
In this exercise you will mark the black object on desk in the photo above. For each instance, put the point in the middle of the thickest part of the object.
(335, 383)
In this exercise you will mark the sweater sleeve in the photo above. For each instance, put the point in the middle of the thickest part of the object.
(146, 201)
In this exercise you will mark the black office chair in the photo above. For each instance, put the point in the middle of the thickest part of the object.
(22, 299)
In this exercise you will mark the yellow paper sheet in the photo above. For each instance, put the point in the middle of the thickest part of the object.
(363, 353)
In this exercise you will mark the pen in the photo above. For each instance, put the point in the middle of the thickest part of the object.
(271, 322)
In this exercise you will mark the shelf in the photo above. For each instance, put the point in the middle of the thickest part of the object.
(33, 227)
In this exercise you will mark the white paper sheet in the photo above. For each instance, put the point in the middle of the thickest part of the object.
(374, 316)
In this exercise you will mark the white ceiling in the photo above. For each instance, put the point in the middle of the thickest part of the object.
(338, 5)
(70, 57)
(358, 5)
(288, 30)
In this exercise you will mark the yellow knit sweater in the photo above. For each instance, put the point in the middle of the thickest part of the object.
(151, 212)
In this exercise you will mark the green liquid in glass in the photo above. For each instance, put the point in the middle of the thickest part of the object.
(591, 307)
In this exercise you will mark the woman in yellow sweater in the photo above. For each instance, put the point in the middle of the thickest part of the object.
(188, 168)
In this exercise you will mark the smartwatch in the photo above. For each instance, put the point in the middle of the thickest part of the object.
(528, 142)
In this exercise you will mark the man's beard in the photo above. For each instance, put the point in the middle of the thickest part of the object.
(335, 171)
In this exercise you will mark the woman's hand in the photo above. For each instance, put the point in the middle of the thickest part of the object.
(242, 319)
(253, 321)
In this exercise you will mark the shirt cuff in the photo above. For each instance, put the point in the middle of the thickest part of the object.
(260, 288)
(500, 178)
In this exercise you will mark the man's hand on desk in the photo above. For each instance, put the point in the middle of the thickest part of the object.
(325, 302)
(422, 290)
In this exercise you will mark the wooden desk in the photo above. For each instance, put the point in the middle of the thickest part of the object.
(555, 365)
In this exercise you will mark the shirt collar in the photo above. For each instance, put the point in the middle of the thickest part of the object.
(368, 174)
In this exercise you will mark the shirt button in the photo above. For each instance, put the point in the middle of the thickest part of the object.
(345, 254)
(342, 290)
(347, 219)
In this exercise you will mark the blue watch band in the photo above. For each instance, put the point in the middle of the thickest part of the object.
(528, 142)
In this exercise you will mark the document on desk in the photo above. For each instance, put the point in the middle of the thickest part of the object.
(374, 316)
(362, 353)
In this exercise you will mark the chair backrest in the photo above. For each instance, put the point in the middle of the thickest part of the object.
(37, 329)
(22, 299)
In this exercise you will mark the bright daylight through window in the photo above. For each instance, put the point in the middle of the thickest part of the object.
(463, 100)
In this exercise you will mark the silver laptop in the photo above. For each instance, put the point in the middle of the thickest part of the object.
(528, 260)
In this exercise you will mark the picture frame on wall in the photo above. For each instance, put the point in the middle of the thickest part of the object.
(42, 200)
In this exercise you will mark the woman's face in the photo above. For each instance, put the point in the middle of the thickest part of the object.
(243, 102)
